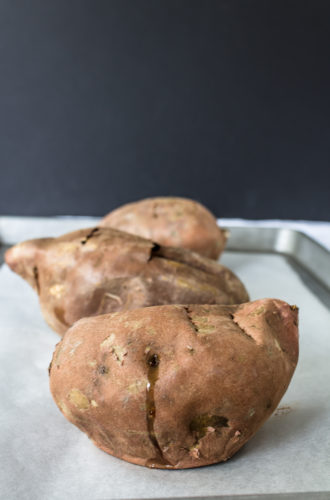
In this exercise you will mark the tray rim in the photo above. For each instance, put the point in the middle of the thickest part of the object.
(292, 243)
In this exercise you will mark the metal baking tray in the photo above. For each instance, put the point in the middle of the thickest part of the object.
(289, 457)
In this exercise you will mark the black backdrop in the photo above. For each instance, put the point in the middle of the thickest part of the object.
(227, 102)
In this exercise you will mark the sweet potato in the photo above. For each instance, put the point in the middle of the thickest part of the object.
(101, 270)
(176, 386)
(176, 222)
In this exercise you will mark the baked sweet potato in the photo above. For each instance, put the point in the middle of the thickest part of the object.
(176, 222)
(101, 270)
(176, 386)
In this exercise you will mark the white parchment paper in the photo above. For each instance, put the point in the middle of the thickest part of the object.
(43, 456)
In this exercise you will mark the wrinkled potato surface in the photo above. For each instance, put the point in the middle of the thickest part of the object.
(176, 222)
(101, 270)
(176, 386)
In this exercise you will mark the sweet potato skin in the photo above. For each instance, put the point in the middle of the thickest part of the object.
(176, 222)
(176, 386)
(101, 270)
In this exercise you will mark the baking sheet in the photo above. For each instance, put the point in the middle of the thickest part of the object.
(44, 456)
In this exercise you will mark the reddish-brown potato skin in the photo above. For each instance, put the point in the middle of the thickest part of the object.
(216, 373)
(102, 270)
(176, 222)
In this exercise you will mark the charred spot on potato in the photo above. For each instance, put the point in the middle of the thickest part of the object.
(89, 235)
(153, 361)
(102, 370)
(189, 316)
(153, 251)
(155, 247)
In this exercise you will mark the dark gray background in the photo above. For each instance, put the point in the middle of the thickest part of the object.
(104, 102)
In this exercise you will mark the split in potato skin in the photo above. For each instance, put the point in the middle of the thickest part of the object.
(176, 386)
(100, 270)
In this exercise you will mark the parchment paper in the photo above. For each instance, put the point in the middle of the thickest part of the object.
(43, 456)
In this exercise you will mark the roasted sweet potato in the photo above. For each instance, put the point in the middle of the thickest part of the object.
(101, 270)
(176, 222)
(176, 386)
